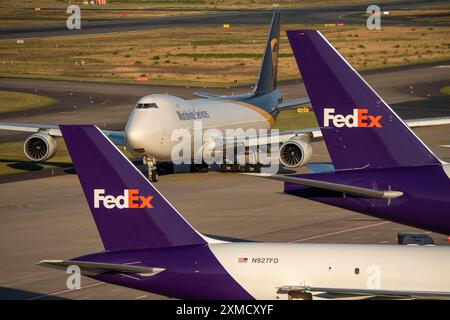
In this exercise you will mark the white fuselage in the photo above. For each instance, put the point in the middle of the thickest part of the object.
(346, 266)
(150, 131)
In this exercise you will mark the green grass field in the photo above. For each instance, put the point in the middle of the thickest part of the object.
(11, 101)
(446, 90)
(291, 119)
(208, 56)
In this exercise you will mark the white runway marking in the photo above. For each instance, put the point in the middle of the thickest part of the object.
(342, 231)
(64, 291)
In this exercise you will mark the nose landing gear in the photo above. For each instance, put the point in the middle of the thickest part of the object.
(152, 172)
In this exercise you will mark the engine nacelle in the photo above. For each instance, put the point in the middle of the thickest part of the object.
(40, 147)
(295, 152)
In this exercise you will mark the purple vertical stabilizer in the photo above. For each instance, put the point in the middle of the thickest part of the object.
(359, 128)
(128, 211)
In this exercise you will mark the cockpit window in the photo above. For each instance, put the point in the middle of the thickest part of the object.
(146, 105)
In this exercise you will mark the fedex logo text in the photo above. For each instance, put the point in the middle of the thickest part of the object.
(359, 119)
(129, 199)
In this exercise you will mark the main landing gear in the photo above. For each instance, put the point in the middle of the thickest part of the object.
(255, 168)
(252, 164)
(202, 167)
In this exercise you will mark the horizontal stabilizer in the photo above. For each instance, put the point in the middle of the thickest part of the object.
(357, 191)
(94, 268)
(293, 103)
(368, 292)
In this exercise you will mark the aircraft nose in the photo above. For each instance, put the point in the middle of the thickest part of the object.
(134, 132)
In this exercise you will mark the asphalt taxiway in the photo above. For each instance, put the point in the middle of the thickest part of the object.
(348, 14)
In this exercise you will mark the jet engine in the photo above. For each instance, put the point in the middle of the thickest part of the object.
(295, 152)
(39, 147)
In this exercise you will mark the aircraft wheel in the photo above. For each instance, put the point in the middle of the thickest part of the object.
(166, 168)
(171, 168)
(154, 176)
(235, 168)
(249, 168)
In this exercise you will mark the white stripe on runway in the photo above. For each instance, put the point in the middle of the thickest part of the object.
(64, 291)
(342, 231)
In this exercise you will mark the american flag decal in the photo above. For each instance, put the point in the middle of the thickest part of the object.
(242, 260)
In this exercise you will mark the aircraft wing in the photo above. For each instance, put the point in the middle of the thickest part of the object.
(369, 292)
(205, 95)
(271, 138)
(293, 103)
(281, 105)
(23, 127)
(345, 188)
(224, 97)
(94, 268)
(427, 122)
(117, 137)
(315, 134)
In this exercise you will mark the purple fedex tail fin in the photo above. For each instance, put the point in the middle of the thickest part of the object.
(128, 211)
(359, 128)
